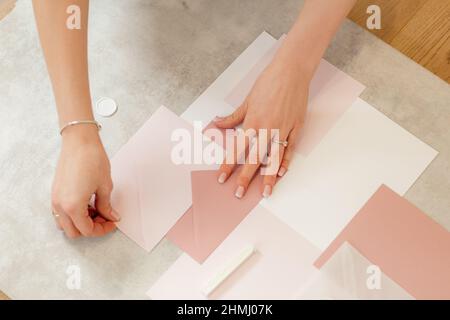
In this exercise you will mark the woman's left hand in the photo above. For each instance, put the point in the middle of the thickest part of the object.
(278, 100)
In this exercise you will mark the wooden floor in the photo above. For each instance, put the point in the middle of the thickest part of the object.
(420, 29)
(5, 7)
(3, 296)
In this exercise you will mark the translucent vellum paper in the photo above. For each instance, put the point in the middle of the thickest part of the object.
(349, 275)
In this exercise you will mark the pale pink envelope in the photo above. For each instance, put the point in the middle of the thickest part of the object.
(282, 263)
(331, 93)
(407, 245)
(215, 212)
(151, 192)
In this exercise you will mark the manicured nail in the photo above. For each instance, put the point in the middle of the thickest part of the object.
(239, 192)
(222, 177)
(282, 171)
(115, 215)
(267, 191)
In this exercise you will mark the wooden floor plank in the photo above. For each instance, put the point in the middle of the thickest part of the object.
(3, 296)
(394, 15)
(439, 62)
(420, 29)
(425, 30)
(6, 7)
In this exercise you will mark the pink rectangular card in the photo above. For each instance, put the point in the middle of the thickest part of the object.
(151, 192)
(215, 212)
(406, 244)
(282, 262)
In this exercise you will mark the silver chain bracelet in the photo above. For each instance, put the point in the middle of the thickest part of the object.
(74, 123)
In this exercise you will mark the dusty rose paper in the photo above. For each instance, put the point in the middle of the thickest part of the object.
(215, 212)
(346, 275)
(282, 263)
(331, 93)
(405, 243)
(151, 192)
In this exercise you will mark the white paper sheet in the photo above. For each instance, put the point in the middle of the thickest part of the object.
(322, 192)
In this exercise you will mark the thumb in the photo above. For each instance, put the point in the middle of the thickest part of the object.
(103, 202)
(233, 119)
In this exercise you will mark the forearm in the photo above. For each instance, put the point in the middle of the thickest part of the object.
(65, 52)
(311, 34)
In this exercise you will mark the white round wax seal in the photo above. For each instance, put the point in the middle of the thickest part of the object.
(106, 107)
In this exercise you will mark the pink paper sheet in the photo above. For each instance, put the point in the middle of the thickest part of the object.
(331, 93)
(282, 263)
(150, 191)
(214, 214)
(406, 244)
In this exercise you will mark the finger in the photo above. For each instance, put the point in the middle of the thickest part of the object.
(82, 220)
(56, 216)
(102, 227)
(236, 153)
(270, 176)
(103, 202)
(233, 119)
(248, 171)
(58, 224)
(69, 228)
(289, 152)
(270, 170)
(89, 227)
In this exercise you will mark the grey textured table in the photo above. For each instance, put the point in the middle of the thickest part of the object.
(147, 53)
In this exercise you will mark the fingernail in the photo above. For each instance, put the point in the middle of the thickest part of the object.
(222, 177)
(267, 191)
(115, 215)
(282, 171)
(239, 192)
(217, 118)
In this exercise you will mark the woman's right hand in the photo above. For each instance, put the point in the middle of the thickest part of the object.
(83, 170)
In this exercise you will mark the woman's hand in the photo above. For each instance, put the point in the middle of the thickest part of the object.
(83, 170)
(278, 100)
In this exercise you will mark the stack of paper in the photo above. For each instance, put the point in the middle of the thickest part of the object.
(347, 151)
(405, 243)
(282, 263)
(365, 149)
(214, 214)
(146, 180)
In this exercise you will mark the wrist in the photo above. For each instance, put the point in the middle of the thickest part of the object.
(298, 56)
(291, 67)
(81, 135)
